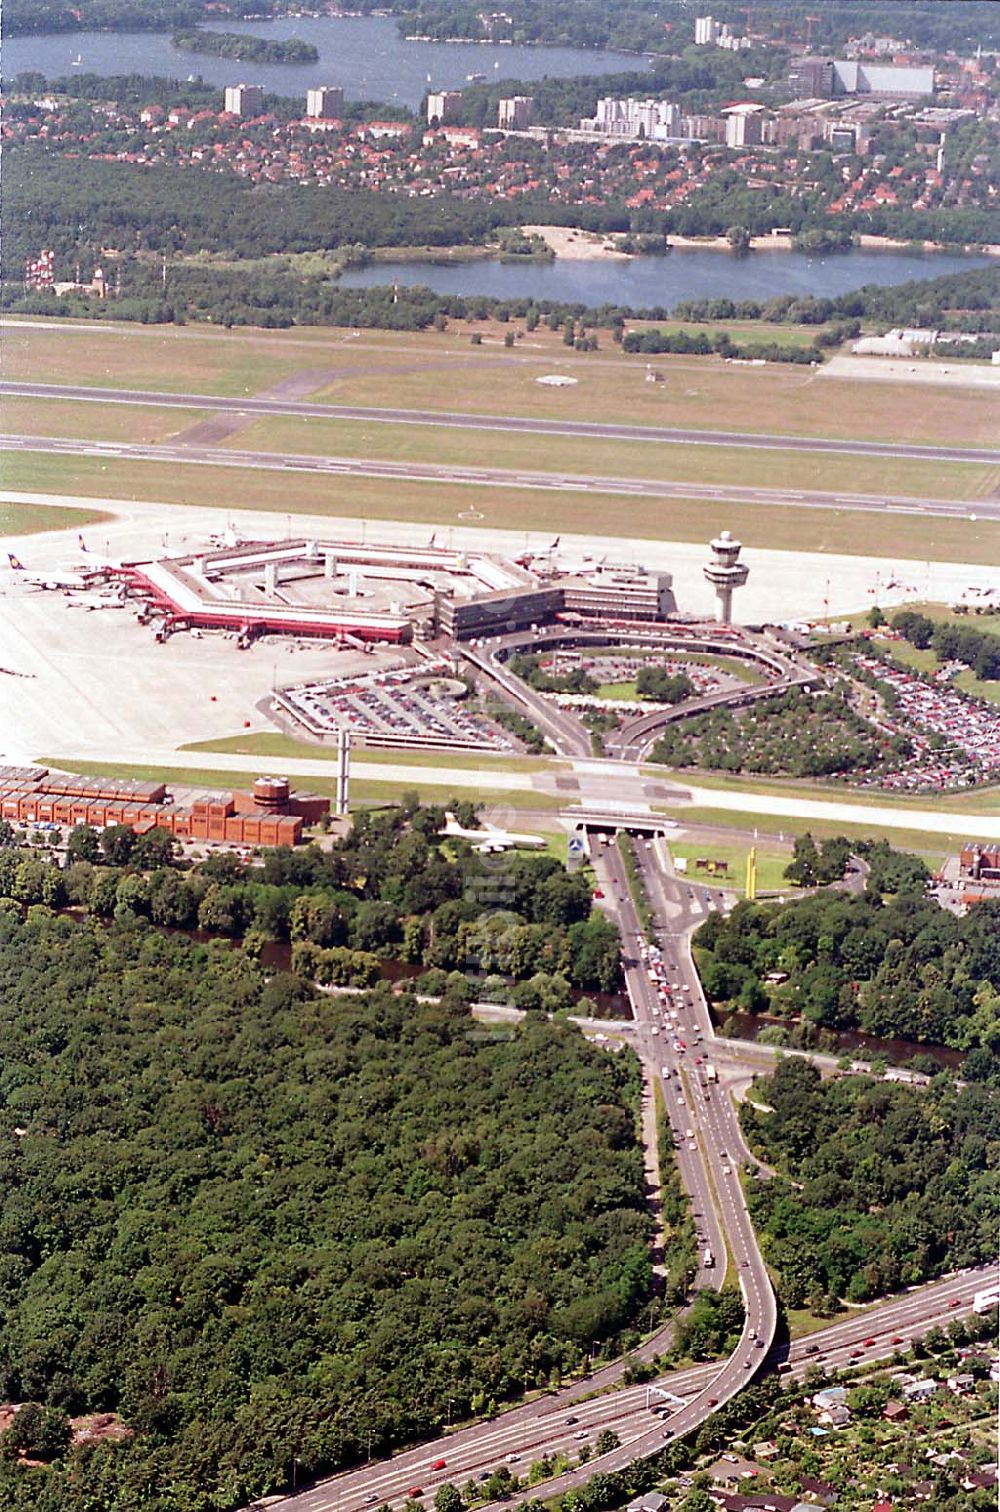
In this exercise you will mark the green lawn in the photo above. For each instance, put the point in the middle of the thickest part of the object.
(739, 331)
(33, 519)
(932, 846)
(623, 691)
(726, 466)
(780, 527)
(771, 864)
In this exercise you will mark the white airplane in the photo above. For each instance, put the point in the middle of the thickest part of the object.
(63, 579)
(488, 837)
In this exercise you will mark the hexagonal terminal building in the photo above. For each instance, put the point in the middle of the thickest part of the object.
(726, 572)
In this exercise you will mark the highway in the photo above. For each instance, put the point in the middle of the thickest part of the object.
(175, 453)
(457, 420)
(542, 1426)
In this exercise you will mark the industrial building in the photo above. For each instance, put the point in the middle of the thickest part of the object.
(829, 78)
(270, 814)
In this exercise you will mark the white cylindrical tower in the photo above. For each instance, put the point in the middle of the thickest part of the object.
(726, 572)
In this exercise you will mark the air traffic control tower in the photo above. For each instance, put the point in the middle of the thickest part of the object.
(726, 572)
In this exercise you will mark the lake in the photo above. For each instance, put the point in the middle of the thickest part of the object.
(364, 54)
(639, 282)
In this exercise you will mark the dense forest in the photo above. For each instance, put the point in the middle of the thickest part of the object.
(244, 48)
(967, 301)
(657, 26)
(388, 891)
(881, 1186)
(259, 1222)
(891, 962)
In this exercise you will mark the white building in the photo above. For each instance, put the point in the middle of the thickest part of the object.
(244, 99)
(324, 104)
(656, 120)
(516, 112)
(442, 106)
(706, 29)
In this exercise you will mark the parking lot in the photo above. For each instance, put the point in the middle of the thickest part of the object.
(396, 708)
(954, 737)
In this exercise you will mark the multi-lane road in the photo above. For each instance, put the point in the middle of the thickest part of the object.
(709, 1152)
(518, 424)
(197, 455)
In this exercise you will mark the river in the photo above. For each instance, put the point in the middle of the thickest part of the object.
(640, 282)
(366, 55)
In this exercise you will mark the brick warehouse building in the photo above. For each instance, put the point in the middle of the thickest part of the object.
(270, 814)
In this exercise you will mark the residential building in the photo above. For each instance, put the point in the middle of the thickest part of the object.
(706, 29)
(516, 112)
(244, 99)
(443, 105)
(325, 103)
(654, 120)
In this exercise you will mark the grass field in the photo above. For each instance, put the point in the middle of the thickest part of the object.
(33, 519)
(278, 746)
(618, 691)
(932, 846)
(771, 864)
(777, 526)
(86, 421)
(739, 331)
(441, 371)
(625, 459)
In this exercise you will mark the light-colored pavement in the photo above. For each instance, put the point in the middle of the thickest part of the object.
(956, 375)
(293, 463)
(246, 408)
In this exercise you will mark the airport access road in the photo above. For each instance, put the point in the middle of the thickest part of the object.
(560, 1422)
(458, 420)
(173, 453)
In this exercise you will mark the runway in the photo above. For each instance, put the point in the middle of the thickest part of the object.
(499, 477)
(456, 420)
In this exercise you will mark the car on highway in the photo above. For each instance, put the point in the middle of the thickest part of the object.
(415, 1491)
(373, 1497)
(571, 1420)
(713, 1402)
(869, 1343)
(582, 1434)
(812, 1349)
(955, 1302)
(727, 1171)
(748, 1364)
(598, 892)
(440, 1465)
(692, 1145)
(856, 1354)
(898, 1339)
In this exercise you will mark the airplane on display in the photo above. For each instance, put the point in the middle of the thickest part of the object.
(488, 837)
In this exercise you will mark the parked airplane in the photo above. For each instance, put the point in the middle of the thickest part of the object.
(53, 581)
(488, 837)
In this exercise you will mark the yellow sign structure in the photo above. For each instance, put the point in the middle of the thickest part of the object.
(751, 887)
